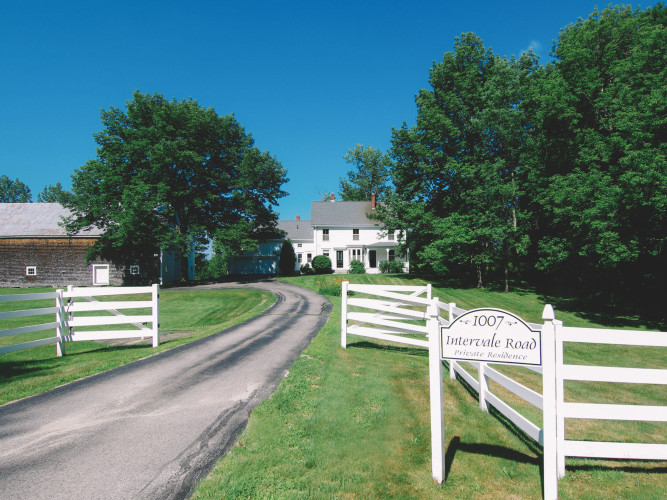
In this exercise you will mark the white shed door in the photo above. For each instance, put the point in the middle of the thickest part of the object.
(101, 274)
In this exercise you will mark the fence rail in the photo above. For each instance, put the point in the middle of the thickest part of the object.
(68, 317)
(392, 319)
(394, 314)
(58, 324)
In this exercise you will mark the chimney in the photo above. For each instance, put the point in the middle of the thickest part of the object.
(298, 218)
(372, 201)
(333, 198)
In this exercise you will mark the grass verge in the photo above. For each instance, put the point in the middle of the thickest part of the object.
(354, 423)
(195, 313)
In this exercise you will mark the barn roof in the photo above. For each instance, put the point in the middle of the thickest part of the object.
(22, 220)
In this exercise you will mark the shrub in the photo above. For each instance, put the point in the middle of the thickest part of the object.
(306, 269)
(357, 267)
(322, 264)
(331, 286)
(287, 259)
(391, 266)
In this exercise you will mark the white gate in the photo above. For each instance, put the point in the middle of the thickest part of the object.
(74, 319)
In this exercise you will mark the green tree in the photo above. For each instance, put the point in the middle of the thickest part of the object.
(13, 191)
(287, 259)
(458, 173)
(172, 174)
(53, 193)
(371, 174)
(600, 164)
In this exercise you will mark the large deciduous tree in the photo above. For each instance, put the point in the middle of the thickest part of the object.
(600, 162)
(371, 174)
(169, 174)
(458, 174)
(13, 191)
(53, 193)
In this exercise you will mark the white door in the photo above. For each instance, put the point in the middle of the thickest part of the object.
(101, 274)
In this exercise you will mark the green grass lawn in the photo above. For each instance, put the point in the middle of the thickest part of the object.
(196, 313)
(354, 423)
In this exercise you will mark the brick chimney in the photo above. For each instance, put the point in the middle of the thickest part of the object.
(333, 197)
(372, 201)
(298, 218)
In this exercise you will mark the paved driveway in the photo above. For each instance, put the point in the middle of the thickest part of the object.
(153, 428)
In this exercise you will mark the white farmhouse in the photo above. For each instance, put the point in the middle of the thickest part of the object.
(342, 231)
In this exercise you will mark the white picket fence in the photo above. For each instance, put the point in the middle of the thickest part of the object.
(72, 315)
(397, 314)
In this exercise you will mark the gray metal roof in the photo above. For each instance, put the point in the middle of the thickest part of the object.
(341, 213)
(297, 229)
(23, 220)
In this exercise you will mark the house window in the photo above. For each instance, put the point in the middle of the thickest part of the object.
(309, 257)
(355, 234)
(390, 235)
(31, 271)
(134, 269)
(325, 235)
(355, 254)
(325, 253)
(392, 255)
(101, 274)
(299, 245)
(299, 257)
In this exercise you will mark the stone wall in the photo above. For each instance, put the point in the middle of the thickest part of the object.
(59, 262)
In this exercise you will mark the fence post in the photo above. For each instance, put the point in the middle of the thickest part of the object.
(549, 435)
(437, 406)
(155, 321)
(483, 386)
(452, 363)
(60, 319)
(560, 400)
(343, 315)
(70, 315)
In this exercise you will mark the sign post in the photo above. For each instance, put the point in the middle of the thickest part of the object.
(485, 335)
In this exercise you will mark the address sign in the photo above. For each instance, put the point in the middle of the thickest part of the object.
(491, 335)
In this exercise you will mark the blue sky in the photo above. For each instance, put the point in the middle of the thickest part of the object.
(309, 80)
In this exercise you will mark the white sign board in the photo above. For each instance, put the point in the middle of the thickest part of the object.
(491, 335)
